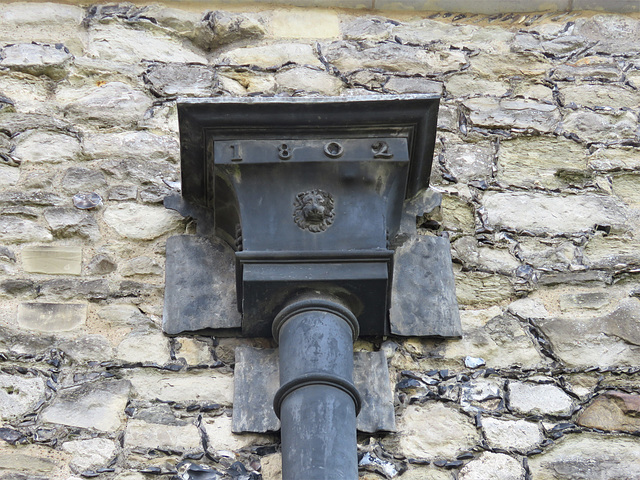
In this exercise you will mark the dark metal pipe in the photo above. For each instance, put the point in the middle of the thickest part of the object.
(317, 402)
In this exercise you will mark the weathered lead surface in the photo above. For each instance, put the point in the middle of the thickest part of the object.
(423, 296)
(199, 285)
(257, 379)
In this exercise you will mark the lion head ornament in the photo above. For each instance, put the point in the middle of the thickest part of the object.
(313, 210)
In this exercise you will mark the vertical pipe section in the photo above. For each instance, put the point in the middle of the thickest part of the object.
(317, 402)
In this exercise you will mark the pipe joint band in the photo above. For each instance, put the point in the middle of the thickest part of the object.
(310, 379)
(315, 305)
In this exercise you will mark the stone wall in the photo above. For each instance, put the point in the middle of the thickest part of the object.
(537, 180)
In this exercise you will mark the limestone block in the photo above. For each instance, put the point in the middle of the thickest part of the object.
(553, 214)
(503, 65)
(611, 252)
(419, 472)
(584, 301)
(392, 57)
(539, 399)
(141, 266)
(37, 198)
(589, 456)
(612, 96)
(468, 161)
(111, 104)
(52, 260)
(528, 308)
(127, 45)
(90, 454)
(9, 175)
(132, 145)
(486, 394)
(367, 29)
(141, 222)
(208, 386)
(512, 114)
(426, 32)
(481, 288)
(467, 85)
(40, 146)
(35, 462)
(471, 253)
(98, 406)
(626, 188)
(601, 127)
(69, 222)
(51, 317)
(37, 59)
(616, 34)
(433, 430)
(28, 94)
(120, 315)
(457, 214)
(19, 395)
(612, 411)
(493, 466)
(144, 347)
(397, 84)
(271, 467)
(220, 436)
(79, 179)
(87, 348)
(180, 79)
(228, 27)
(308, 80)
(519, 435)
(140, 434)
(610, 339)
(272, 56)
(19, 230)
(316, 24)
(195, 352)
(540, 162)
(498, 339)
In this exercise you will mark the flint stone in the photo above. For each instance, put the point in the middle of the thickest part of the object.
(19, 395)
(141, 222)
(534, 399)
(434, 430)
(538, 161)
(52, 260)
(70, 222)
(51, 317)
(612, 339)
(308, 80)
(478, 392)
(89, 454)
(392, 57)
(111, 104)
(595, 127)
(467, 162)
(140, 434)
(98, 406)
(18, 230)
(200, 285)
(133, 145)
(37, 59)
(47, 147)
(131, 46)
(493, 466)
(144, 347)
(272, 56)
(520, 435)
(212, 387)
(220, 436)
(423, 294)
(180, 79)
(553, 214)
(589, 456)
(512, 114)
(612, 411)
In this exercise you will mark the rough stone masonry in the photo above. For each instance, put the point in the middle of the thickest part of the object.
(536, 183)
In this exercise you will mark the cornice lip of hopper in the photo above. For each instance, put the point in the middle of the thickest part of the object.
(487, 7)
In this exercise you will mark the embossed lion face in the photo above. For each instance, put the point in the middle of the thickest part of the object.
(313, 210)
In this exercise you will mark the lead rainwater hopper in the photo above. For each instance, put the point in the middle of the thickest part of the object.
(314, 200)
